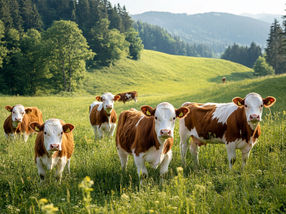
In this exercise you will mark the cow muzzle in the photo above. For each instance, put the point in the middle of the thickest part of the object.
(165, 133)
(254, 118)
(54, 147)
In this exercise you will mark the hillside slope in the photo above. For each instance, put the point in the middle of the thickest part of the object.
(159, 74)
(219, 28)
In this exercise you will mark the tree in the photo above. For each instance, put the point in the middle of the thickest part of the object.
(67, 51)
(261, 68)
(135, 43)
(3, 49)
(275, 56)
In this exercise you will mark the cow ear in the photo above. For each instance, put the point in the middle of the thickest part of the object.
(269, 101)
(116, 97)
(98, 98)
(9, 108)
(37, 127)
(28, 110)
(182, 112)
(148, 110)
(68, 127)
(238, 101)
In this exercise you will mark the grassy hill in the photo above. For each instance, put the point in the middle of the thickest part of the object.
(209, 188)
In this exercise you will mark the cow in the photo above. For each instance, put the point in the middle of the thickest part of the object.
(234, 124)
(223, 79)
(54, 146)
(102, 115)
(128, 96)
(18, 121)
(148, 136)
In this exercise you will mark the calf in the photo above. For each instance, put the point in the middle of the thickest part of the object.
(53, 146)
(128, 96)
(102, 115)
(148, 136)
(234, 124)
(19, 119)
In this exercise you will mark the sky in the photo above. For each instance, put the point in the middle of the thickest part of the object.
(201, 6)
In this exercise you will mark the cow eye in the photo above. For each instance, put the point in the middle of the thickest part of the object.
(156, 118)
(61, 132)
(245, 106)
(174, 118)
(45, 132)
(13, 112)
(22, 113)
(261, 106)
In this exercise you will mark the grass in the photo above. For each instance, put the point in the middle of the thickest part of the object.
(209, 188)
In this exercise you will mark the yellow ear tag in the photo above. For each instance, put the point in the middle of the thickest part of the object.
(148, 113)
(37, 129)
(181, 114)
(269, 102)
(68, 130)
(238, 103)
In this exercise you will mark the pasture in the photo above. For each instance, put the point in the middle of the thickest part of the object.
(209, 188)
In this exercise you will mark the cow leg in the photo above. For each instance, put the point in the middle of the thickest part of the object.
(141, 168)
(69, 166)
(112, 129)
(41, 170)
(123, 156)
(60, 168)
(194, 149)
(165, 163)
(97, 132)
(230, 148)
(135, 99)
(184, 138)
(245, 155)
(25, 137)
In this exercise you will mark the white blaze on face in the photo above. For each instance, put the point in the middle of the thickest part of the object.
(18, 113)
(53, 132)
(253, 105)
(165, 117)
(107, 102)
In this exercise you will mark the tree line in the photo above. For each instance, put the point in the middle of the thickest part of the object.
(47, 43)
(158, 39)
(272, 61)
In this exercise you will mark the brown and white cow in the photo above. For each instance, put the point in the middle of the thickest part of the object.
(223, 79)
(128, 96)
(102, 115)
(148, 136)
(234, 124)
(19, 119)
(53, 146)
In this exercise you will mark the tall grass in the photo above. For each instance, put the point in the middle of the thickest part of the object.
(209, 188)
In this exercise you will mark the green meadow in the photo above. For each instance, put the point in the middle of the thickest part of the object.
(208, 188)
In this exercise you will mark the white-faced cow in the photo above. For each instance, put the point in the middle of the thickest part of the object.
(19, 119)
(102, 115)
(148, 136)
(53, 146)
(234, 124)
(128, 96)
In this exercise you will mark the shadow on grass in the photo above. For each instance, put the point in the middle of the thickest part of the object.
(232, 77)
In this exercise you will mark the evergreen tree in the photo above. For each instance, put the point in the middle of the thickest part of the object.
(274, 51)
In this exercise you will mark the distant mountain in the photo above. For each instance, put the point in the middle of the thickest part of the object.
(269, 18)
(210, 28)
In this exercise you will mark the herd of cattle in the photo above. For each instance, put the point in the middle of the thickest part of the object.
(147, 134)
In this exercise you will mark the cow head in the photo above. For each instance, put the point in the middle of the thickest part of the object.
(107, 100)
(165, 115)
(253, 104)
(53, 133)
(18, 111)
